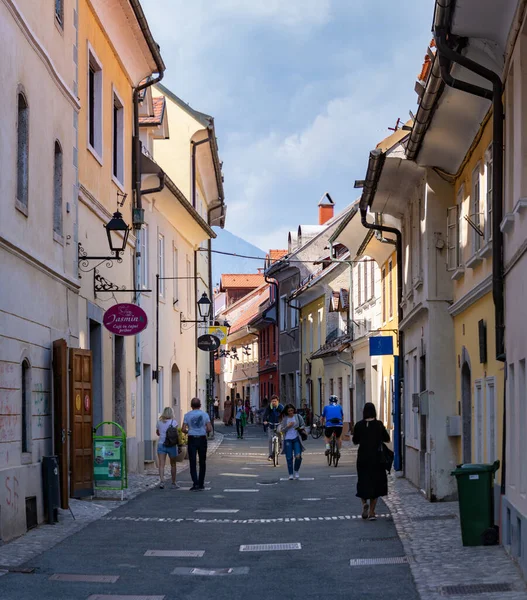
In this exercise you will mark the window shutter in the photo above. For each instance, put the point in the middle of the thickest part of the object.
(452, 237)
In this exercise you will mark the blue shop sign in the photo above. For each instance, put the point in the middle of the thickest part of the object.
(381, 345)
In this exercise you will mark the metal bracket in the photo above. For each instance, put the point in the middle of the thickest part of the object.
(101, 284)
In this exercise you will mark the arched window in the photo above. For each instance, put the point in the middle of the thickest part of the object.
(22, 150)
(57, 190)
(26, 406)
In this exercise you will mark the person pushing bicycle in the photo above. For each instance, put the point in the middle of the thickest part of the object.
(332, 418)
(272, 417)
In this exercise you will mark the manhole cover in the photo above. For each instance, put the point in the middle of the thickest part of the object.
(434, 518)
(267, 482)
(475, 588)
(270, 547)
(363, 562)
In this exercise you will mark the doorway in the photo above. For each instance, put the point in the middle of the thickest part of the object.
(466, 411)
(360, 393)
(96, 353)
(176, 393)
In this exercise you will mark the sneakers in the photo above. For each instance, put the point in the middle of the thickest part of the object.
(194, 488)
(175, 486)
(161, 485)
(269, 458)
(297, 475)
(291, 477)
(372, 517)
(365, 511)
(201, 488)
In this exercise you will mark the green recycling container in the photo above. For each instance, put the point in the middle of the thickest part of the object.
(476, 501)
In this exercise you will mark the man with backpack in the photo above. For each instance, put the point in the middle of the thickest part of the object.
(271, 418)
(196, 423)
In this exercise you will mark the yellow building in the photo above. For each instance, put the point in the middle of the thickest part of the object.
(116, 52)
(313, 336)
(479, 376)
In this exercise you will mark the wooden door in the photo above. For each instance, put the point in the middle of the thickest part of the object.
(81, 423)
(60, 415)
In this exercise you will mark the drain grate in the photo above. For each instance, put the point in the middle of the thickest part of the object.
(475, 588)
(379, 539)
(364, 562)
(271, 547)
(25, 570)
(175, 553)
(434, 518)
(267, 482)
(84, 578)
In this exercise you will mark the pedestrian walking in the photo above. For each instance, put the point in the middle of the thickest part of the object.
(227, 411)
(166, 421)
(196, 424)
(369, 434)
(216, 408)
(271, 420)
(290, 425)
(241, 418)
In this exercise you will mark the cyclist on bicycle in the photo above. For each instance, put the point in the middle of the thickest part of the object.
(271, 418)
(332, 418)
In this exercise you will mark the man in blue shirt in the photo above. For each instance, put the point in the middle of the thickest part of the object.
(271, 419)
(332, 418)
(196, 424)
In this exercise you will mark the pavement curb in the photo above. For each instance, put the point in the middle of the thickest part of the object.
(45, 536)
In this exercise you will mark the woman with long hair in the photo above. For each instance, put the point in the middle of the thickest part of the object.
(372, 482)
(166, 420)
(241, 418)
(227, 411)
(289, 426)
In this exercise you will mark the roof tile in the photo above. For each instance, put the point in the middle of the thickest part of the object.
(157, 117)
(241, 280)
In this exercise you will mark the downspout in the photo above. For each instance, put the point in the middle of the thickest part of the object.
(447, 54)
(196, 318)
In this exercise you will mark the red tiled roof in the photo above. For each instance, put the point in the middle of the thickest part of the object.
(157, 117)
(275, 255)
(249, 280)
(251, 310)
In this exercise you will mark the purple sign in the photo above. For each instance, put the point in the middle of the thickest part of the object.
(125, 319)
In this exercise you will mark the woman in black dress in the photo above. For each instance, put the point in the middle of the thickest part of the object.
(373, 481)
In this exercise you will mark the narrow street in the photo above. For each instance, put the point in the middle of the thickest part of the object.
(247, 502)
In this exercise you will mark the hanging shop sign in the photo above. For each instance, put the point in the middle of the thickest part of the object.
(220, 332)
(381, 345)
(109, 459)
(125, 319)
(208, 343)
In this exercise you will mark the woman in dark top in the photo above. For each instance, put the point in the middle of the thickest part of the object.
(373, 481)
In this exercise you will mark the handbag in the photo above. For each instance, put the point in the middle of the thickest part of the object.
(301, 432)
(385, 456)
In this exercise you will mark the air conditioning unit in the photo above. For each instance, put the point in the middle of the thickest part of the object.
(307, 368)
(453, 426)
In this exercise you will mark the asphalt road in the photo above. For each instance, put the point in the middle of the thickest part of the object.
(320, 515)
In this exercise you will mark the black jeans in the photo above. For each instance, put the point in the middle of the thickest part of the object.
(197, 445)
(239, 427)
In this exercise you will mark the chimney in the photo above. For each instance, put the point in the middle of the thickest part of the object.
(326, 207)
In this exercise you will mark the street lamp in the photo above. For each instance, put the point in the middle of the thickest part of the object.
(204, 306)
(117, 231)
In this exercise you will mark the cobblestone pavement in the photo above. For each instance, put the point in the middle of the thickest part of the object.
(438, 557)
(83, 512)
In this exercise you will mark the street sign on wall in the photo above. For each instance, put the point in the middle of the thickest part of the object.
(381, 345)
(208, 343)
(125, 319)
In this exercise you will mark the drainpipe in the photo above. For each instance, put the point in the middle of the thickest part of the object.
(447, 54)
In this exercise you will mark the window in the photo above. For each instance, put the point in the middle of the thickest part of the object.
(365, 266)
(57, 190)
(189, 288)
(94, 105)
(331, 387)
(489, 175)
(372, 290)
(293, 314)
(144, 256)
(304, 336)
(478, 413)
(175, 271)
(452, 235)
(22, 166)
(340, 390)
(26, 406)
(311, 333)
(118, 140)
(383, 276)
(459, 248)
(476, 216)
(319, 326)
(343, 322)
(283, 313)
(59, 12)
(359, 285)
(390, 288)
(161, 263)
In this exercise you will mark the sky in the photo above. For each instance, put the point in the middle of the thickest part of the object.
(300, 92)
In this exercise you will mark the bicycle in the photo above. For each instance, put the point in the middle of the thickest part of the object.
(276, 443)
(316, 427)
(334, 453)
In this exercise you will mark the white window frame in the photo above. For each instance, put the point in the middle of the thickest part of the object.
(145, 273)
(293, 314)
(97, 147)
(478, 421)
(283, 313)
(320, 318)
(491, 413)
(58, 171)
(359, 284)
(489, 168)
(390, 289)
(161, 263)
(117, 140)
(311, 333)
(189, 287)
(477, 216)
(343, 322)
(175, 274)
(452, 234)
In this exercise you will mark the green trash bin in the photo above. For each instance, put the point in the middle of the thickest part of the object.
(476, 503)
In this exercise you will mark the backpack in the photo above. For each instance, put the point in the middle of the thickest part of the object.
(171, 436)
